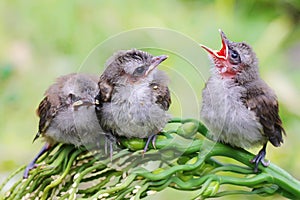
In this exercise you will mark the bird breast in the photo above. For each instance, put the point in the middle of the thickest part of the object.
(227, 118)
(78, 126)
(133, 112)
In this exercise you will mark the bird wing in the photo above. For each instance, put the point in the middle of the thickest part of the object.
(105, 91)
(46, 112)
(162, 94)
(265, 106)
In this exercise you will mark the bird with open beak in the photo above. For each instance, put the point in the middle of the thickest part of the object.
(238, 107)
(134, 96)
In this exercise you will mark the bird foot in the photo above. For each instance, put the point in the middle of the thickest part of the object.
(32, 164)
(110, 139)
(28, 168)
(260, 158)
(151, 138)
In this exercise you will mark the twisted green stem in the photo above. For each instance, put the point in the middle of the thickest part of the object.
(185, 158)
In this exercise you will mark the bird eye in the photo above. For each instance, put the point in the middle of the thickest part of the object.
(139, 70)
(234, 54)
(234, 57)
(71, 98)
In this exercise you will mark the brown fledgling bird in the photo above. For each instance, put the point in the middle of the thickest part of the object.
(238, 107)
(134, 96)
(67, 114)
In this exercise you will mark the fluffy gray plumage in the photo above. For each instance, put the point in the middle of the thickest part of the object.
(67, 113)
(238, 107)
(227, 117)
(134, 95)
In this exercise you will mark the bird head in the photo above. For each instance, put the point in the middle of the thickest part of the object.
(134, 65)
(234, 58)
(76, 87)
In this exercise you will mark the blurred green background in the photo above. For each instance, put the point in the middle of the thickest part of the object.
(42, 40)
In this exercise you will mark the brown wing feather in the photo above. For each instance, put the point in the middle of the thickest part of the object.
(46, 112)
(162, 94)
(265, 106)
(105, 91)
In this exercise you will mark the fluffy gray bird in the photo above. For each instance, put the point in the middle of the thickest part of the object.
(134, 96)
(67, 114)
(238, 107)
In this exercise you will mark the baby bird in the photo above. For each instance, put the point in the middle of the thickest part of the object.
(134, 96)
(238, 107)
(67, 114)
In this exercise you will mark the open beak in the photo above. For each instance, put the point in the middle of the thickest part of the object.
(223, 53)
(220, 58)
(155, 62)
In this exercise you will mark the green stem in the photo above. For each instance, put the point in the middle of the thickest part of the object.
(125, 184)
(60, 179)
(277, 175)
(168, 172)
(186, 164)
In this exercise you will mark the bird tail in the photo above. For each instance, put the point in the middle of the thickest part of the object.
(36, 136)
(276, 139)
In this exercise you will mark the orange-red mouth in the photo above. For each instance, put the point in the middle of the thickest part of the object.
(220, 57)
(221, 54)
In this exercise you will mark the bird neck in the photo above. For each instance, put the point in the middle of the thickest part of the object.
(247, 74)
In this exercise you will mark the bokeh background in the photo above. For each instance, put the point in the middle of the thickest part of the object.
(40, 40)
